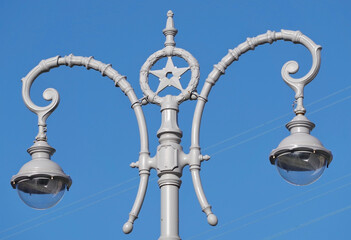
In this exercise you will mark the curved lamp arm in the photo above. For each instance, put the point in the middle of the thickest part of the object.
(205, 206)
(290, 67)
(119, 80)
(144, 179)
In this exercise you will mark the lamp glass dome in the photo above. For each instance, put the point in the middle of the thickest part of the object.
(301, 167)
(41, 192)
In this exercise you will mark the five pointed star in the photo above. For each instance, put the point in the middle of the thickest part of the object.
(174, 80)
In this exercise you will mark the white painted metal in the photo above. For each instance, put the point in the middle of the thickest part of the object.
(51, 94)
(290, 67)
(300, 128)
(170, 159)
(41, 165)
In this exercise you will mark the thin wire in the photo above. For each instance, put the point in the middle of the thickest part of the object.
(329, 105)
(269, 206)
(330, 95)
(280, 211)
(271, 130)
(275, 128)
(67, 213)
(228, 139)
(247, 131)
(275, 119)
(247, 140)
(73, 211)
(69, 205)
(310, 222)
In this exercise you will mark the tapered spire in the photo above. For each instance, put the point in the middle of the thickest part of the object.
(170, 31)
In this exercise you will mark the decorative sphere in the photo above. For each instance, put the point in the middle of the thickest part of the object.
(301, 167)
(127, 227)
(212, 219)
(41, 192)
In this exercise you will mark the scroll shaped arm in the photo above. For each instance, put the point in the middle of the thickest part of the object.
(290, 67)
(119, 80)
(51, 94)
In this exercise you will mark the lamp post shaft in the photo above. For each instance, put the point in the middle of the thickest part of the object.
(169, 168)
(169, 184)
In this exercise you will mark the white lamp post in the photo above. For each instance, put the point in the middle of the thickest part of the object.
(300, 158)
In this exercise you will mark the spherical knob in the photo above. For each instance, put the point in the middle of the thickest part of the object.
(127, 227)
(193, 96)
(134, 164)
(144, 102)
(212, 219)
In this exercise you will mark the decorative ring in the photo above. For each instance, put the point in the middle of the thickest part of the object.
(178, 52)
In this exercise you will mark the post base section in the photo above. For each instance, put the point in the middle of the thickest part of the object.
(169, 238)
(169, 184)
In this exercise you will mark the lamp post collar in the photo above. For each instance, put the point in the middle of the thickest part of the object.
(300, 123)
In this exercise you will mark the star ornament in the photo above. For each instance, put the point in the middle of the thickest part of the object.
(169, 82)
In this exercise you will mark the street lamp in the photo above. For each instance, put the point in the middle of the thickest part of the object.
(300, 158)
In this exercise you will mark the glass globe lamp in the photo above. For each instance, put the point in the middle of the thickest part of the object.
(41, 192)
(41, 183)
(301, 167)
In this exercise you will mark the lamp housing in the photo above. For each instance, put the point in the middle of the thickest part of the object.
(300, 158)
(41, 183)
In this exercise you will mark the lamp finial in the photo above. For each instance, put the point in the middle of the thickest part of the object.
(170, 31)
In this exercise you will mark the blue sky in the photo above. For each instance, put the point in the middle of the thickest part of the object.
(96, 137)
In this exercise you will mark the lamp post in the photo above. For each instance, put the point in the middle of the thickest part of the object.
(300, 158)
